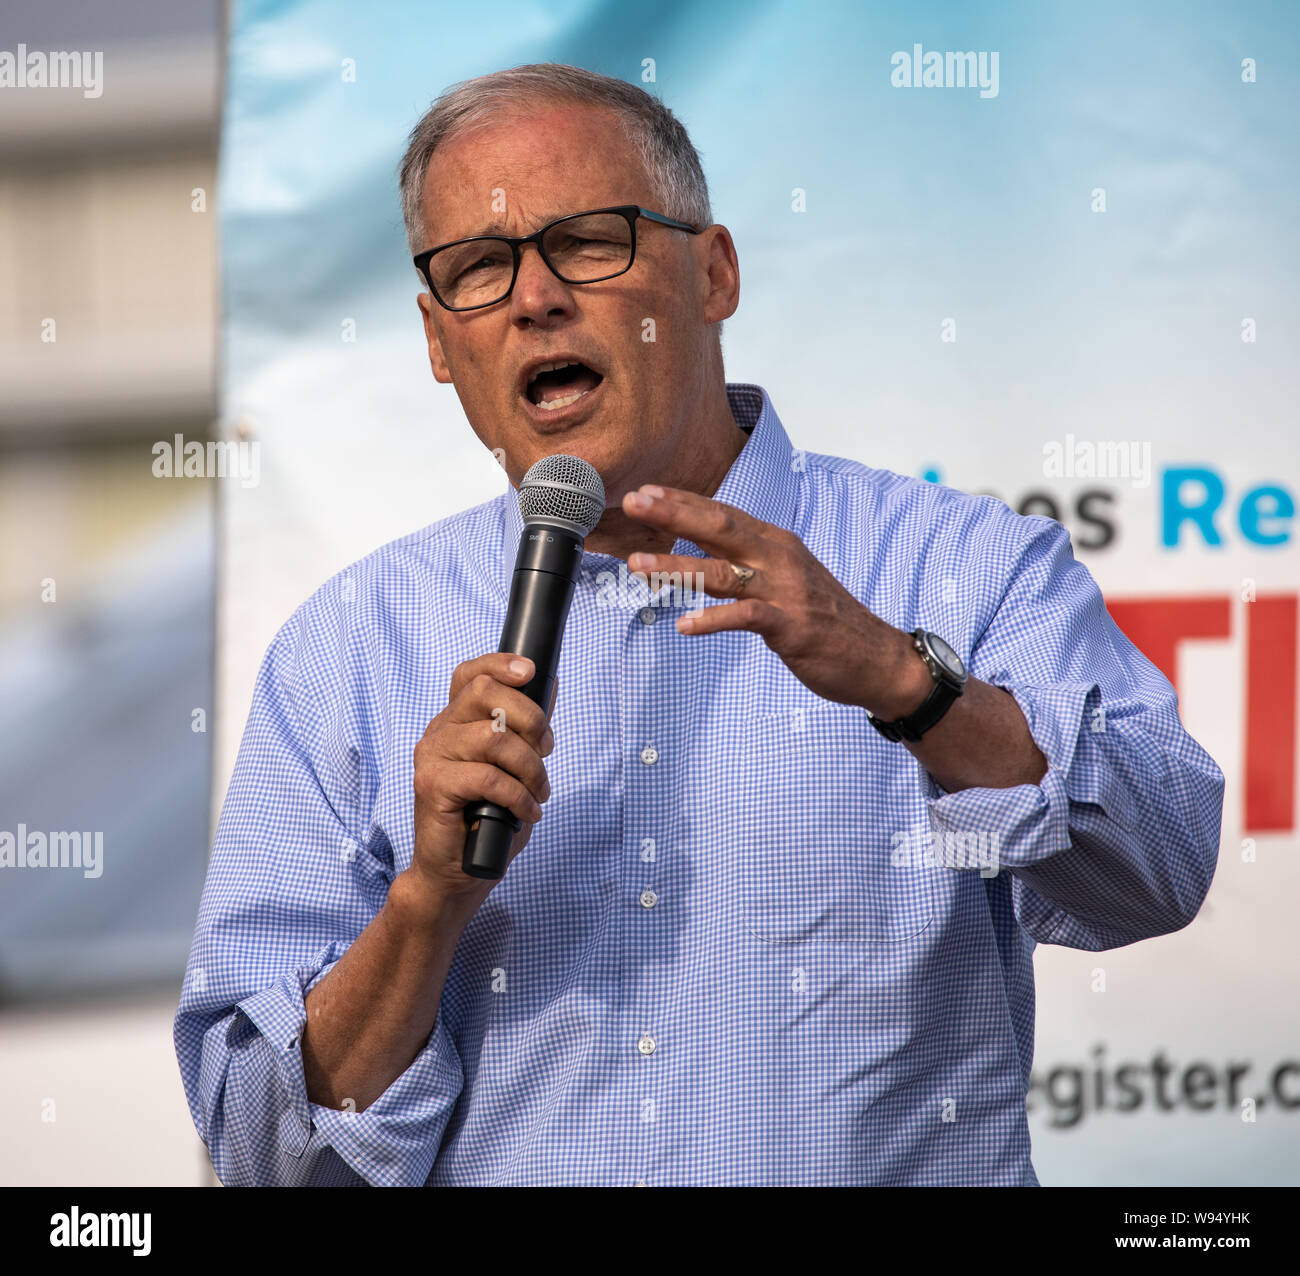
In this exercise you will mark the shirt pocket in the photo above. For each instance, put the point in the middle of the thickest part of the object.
(817, 807)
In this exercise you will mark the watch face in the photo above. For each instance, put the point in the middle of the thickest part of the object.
(945, 655)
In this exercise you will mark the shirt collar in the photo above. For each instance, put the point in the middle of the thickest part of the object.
(762, 481)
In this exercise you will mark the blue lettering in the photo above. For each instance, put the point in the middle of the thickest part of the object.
(1277, 505)
(1201, 514)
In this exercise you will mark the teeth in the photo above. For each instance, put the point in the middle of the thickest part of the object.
(551, 404)
(550, 367)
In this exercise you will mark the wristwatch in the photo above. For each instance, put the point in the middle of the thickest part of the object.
(949, 676)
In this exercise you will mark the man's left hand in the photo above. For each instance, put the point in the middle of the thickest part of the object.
(833, 644)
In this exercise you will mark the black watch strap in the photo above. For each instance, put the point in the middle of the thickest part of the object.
(949, 683)
(915, 725)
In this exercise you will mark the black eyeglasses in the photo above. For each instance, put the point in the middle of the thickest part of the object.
(583, 248)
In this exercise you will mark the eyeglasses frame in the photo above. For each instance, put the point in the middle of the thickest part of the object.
(631, 212)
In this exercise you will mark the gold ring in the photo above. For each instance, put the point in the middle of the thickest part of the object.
(743, 575)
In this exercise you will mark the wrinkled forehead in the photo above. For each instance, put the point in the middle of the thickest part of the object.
(518, 167)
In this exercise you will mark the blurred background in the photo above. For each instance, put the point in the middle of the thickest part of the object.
(1103, 251)
(108, 343)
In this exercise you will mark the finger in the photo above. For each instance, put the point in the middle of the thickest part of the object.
(711, 575)
(485, 699)
(511, 670)
(505, 790)
(752, 614)
(452, 786)
(481, 742)
(722, 530)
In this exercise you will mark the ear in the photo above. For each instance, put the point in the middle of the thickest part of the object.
(721, 287)
(437, 360)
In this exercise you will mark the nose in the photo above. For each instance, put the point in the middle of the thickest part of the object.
(539, 296)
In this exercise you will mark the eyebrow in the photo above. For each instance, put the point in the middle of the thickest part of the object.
(499, 228)
(494, 229)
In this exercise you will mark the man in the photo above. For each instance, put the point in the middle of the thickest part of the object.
(776, 923)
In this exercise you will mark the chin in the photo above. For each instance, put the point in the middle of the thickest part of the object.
(599, 436)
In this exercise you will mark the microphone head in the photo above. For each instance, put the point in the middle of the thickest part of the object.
(563, 489)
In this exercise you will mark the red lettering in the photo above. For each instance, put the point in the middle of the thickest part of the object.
(1157, 625)
(1270, 712)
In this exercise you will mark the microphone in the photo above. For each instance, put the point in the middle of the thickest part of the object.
(561, 499)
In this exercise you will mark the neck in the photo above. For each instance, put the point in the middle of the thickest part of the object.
(704, 450)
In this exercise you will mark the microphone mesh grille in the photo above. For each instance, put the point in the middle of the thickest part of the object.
(563, 487)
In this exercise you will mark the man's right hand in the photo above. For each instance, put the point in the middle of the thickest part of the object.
(486, 745)
(374, 1011)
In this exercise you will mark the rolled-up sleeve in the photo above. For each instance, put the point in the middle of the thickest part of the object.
(1119, 840)
(291, 884)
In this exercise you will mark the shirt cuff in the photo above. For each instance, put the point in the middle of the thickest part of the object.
(989, 829)
(394, 1142)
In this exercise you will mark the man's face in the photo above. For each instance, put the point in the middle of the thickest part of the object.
(645, 339)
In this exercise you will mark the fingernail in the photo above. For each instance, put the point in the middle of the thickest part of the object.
(637, 501)
(652, 489)
(548, 741)
(519, 667)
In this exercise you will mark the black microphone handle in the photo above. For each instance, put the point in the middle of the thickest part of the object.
(540, 593)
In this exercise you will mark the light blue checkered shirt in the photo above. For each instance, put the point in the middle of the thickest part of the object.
(751, 942)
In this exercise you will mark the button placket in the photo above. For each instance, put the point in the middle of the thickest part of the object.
(645, 639)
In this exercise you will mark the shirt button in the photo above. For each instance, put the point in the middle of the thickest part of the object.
(640, 1182)
(649, 899)
(647, 616)
(649, 755)
(646, 1045)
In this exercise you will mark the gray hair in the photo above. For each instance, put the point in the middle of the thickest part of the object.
(670, 160)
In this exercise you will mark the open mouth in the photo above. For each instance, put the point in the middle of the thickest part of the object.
(556, 385)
